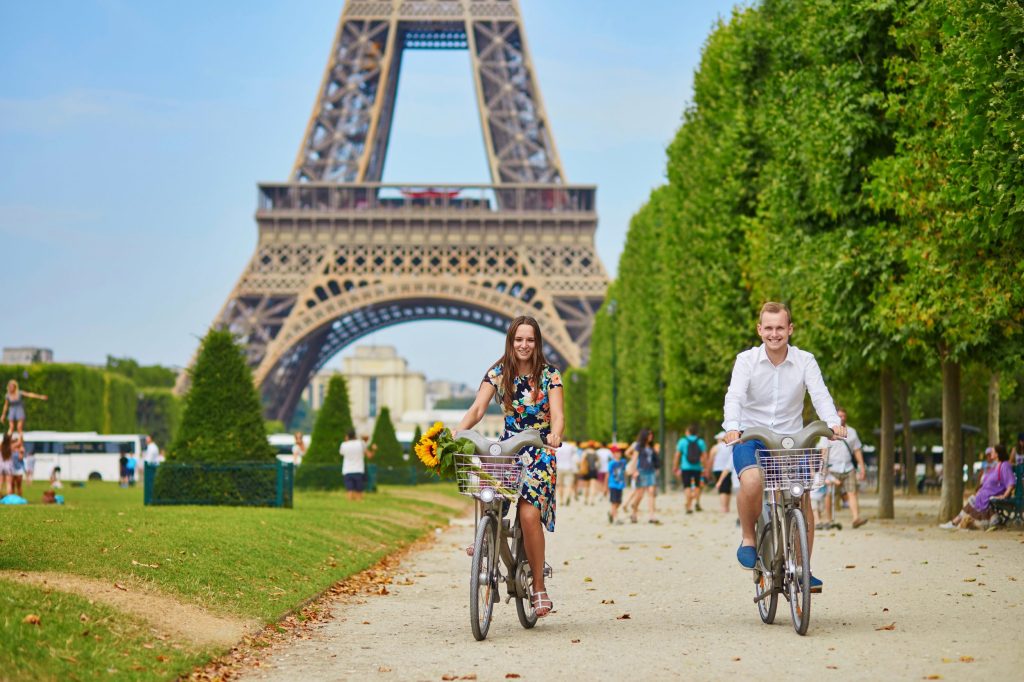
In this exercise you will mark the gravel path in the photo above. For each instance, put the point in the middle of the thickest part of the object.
(903, 600)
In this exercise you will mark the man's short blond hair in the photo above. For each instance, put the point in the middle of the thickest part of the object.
(773, 307)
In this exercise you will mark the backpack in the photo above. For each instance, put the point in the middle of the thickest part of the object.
(583, 469)
(693, 452)
(591, 462)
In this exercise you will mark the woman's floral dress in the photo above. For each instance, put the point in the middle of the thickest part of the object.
(539, 483)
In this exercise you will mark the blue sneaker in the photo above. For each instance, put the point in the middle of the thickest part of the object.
(747, 556)
(815, 584)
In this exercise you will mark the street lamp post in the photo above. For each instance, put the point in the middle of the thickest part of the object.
(615, 378)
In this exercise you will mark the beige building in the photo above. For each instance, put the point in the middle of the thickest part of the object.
(378, 377)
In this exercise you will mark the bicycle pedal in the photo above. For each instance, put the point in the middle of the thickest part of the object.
(548, 571)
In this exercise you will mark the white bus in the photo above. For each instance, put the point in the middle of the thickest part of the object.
(83, 456)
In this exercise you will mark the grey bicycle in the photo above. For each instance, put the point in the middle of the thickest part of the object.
(791, 465)
(493, 476)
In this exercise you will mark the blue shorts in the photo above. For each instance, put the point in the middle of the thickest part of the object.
(355, 482)
(647, 479)
(744, 455)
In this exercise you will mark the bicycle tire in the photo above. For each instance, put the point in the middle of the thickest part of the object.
(766, 573)
(799, 574)
(524, 585)
(482, 575)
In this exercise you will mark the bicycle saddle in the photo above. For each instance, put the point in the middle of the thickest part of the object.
(510, 446)
(806, 437)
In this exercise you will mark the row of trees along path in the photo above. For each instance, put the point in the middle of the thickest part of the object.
(861, 161)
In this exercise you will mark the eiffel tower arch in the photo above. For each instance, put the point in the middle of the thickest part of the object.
(341, 254)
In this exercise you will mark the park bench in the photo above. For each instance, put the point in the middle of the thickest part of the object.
(1012, 508)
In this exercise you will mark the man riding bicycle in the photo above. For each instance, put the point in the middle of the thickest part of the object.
(767, 389)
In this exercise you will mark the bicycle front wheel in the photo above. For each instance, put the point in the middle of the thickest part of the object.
(483, 577)
(524, 584)
(798, 571)
(765, 574)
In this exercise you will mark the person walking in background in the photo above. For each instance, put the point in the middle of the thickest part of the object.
(645, 457)
(30, 465)
(721, 470)
(353, 469)
(130, 466)
(122, 469)
(299, 449)
(6, 465)
(17, 464)
(590, 465)
(14, 407)
(689, 465)
(565, 465)
(841, 455)
(604, 455)
(615, 482)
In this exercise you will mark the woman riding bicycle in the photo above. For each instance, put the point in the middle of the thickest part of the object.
(529, 391)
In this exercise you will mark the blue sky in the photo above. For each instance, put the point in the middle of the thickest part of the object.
(132, 136)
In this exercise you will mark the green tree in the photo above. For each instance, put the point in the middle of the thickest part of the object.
(389, 450)
(321, 468)
(955, 179)
(575, 403)
(143, 376)
(416, 435)
(222, 420)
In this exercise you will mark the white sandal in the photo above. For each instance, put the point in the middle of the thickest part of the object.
(539, 603)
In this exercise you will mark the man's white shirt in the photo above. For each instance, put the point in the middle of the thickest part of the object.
(840, 454)
(762, 394)
(152, 455)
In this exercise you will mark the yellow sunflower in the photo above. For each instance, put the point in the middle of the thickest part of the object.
(432, 432)
(427, 452)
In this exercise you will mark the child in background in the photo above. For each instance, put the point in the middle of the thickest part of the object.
(55, 479)
(17, 465)
(616, 482)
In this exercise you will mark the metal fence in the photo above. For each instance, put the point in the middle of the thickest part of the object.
(254, 484)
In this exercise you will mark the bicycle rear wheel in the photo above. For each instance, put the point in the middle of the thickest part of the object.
(798, 577)
(765, 572)
(483, 577)
(524, 584)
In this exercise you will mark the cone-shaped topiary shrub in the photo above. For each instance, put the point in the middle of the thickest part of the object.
(221, 423)
(389, 450)
(321, 467)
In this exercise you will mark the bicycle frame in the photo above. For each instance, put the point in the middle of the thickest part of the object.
(507, 536)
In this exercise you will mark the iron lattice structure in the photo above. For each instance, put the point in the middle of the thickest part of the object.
(341, 254)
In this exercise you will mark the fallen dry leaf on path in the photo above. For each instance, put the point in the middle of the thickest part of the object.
(383, 590)
(624, 616)
(736, 658)
(31, 619)
(120, 587)
(607, 601)
(83, 617)
(970, 580)
(932, 677)
(511, 676)
(666, 546)
(890, 626)
(575, 641)
(851, 566)
(383, 669)
(366, 622)
(832, 667)
(967, 659)
(588, 579)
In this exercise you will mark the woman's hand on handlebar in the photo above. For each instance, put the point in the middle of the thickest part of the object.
(731, 437)
(554, 441)
(839, 430)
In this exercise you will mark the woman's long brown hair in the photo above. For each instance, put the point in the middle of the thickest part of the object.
(508, 361)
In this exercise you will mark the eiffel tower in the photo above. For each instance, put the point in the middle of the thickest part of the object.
(341, 254)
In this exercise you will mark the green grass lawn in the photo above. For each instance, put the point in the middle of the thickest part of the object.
(244, 562)
(76, 640)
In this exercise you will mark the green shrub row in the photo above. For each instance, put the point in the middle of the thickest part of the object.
(85, 398)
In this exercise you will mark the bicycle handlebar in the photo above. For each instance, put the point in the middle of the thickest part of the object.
(806, 437)
(510, 446)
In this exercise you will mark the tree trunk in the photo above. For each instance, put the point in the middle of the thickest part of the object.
(952, 500)
(993, 409)
(909, 460)
(885, 454)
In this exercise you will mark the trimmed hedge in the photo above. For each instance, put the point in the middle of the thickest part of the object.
(80, 398)
(159, 414)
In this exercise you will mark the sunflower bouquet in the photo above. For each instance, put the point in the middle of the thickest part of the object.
(439, 450)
